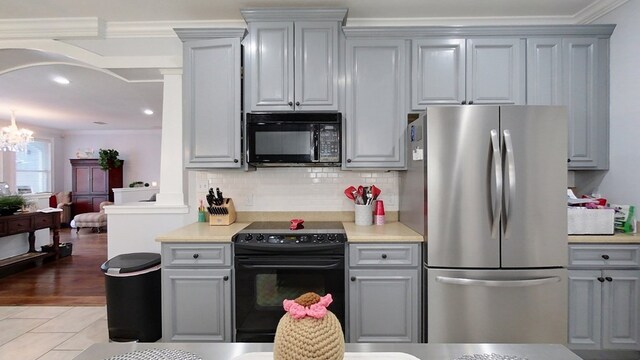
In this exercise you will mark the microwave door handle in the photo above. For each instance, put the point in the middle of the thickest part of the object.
(314, 145)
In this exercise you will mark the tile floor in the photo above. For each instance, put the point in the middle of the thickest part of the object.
(50, 332)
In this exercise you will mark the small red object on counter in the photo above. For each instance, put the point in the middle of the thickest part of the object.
(296, 224)
(378, 213)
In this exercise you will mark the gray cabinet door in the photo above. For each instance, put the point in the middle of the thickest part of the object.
(196, 305)
(384, 306)
(212, 103)
(375, 117)
(438, 72)
(544, 71)
(621, 310)
(585, 306)
(316, 65)
(271, 66)
(495, 71)
(585, 78)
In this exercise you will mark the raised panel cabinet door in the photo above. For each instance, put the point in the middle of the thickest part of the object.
(196, 305)
(272, 60)
(621, 310)
(375, 89)
(544, 71)
(384, 306)
(584, 86)
(496, 71)
(316, 65)
(81, 180)
(212, 103)
(98, 180)
(438, 72)
(585, 306)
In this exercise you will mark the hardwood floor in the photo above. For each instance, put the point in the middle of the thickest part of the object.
(72, 280)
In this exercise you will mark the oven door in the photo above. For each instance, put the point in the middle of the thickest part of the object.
(263, 282)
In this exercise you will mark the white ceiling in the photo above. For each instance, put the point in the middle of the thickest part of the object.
(97, 96)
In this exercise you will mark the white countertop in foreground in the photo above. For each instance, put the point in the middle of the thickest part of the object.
(617, 238)
(202, 232)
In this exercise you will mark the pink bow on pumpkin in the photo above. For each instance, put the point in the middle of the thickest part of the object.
(317, 310)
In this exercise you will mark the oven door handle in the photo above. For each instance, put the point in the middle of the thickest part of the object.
(325, 265)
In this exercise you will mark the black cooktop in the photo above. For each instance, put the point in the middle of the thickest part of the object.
(282, 227)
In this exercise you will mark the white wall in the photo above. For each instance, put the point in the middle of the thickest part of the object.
(140, 151)
(620, 183)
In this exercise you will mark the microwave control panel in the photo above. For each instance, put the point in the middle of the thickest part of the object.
(329, 144)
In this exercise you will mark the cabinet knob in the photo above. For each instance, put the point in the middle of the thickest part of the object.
(471, 102)
(348, 160)
(225, 278)
(235, 161)
(605, 256)
(464, 102)
(195, 256)
(568, 160)
(297, 103)
(601, 279)
(609, 278)
(290, 103)
(384, 256)
(353, 278)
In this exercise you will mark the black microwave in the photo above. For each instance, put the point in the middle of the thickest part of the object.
(294, 139)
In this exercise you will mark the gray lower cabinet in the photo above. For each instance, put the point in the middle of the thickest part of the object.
(384, 293)
(574, 71)
(211, 100)
(196, 292)
(375, 118)
(604, 297)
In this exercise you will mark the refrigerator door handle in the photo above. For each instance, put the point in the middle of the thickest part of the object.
(497, 283)
(496, 196)
(511, 172)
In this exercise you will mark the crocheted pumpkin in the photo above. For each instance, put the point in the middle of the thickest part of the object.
(308, 330)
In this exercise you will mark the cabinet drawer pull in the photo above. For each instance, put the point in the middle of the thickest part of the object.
(353, 278)
(297, 103)
(471, 102)
(290, 103)
(605, 256)
(235, 161)
(608, 278)
(601, 279)
(384, 256)
(349, 160)
(195, 256)
(225, 278)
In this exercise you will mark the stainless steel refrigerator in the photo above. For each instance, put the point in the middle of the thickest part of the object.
(486, 186)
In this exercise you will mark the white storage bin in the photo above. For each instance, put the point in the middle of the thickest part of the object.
(582, 221)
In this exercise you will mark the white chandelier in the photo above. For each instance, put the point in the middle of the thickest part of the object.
(14, 139)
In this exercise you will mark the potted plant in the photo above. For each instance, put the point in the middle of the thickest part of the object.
(9, 204)
(109, 159)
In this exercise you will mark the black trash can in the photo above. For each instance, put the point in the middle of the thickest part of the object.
(133, 297)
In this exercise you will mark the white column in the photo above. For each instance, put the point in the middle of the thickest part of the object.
(171, 152)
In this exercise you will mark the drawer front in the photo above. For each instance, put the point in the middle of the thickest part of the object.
(384, 255)
(196, 255)
(19, 225)
(43, 221)
(604, 256)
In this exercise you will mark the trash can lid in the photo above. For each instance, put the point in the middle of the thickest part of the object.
(133, 262)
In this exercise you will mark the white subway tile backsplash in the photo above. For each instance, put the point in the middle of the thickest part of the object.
(296, 189)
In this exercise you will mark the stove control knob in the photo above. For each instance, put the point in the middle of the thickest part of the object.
(331, 237)
(303, 239)
(260, 237)
(248, 237)
(321, 236)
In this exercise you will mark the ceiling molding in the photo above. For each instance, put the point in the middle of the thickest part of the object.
(146, 29)
(597, 10)
(458, 21)
(189, 34)
(51, 28)
(289, 14)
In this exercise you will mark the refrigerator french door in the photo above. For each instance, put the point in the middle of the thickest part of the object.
(493, 179)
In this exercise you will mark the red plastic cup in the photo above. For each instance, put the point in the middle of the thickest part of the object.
(379, 208)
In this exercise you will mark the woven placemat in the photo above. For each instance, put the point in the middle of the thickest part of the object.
(157, 354)
(492, 356)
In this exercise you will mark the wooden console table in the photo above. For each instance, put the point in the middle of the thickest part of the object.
(29, 223)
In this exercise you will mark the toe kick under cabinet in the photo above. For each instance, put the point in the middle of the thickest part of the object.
(196, 292)
(384, 292)
(604, 297)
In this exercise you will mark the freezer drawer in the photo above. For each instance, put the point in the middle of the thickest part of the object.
(497, 306)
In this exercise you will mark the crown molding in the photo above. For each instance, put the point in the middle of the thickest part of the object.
(129, 29)
(187, 34)
(597, 10)
(295, 14)
(52, 28)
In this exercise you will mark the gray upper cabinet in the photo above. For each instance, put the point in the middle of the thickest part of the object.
(212, 100)
(467, 71)
(293, 59)
(375, 117)
(573, 71)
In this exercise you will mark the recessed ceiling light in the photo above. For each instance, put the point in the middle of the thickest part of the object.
(61, 80)
(148, 111)
(100, 122)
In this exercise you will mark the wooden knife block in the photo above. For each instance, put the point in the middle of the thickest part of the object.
(224, 214)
